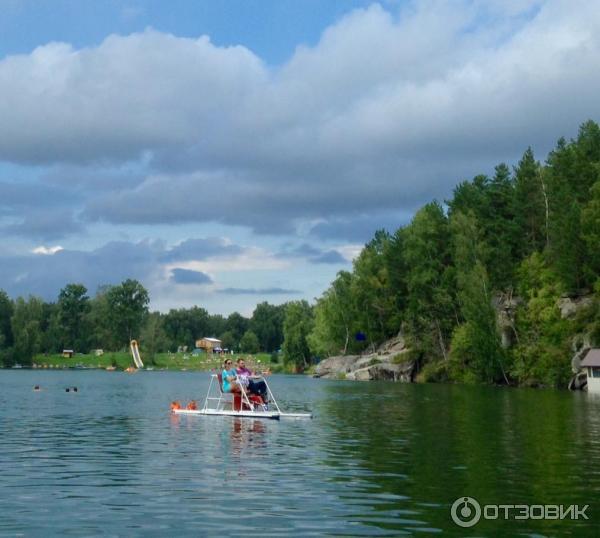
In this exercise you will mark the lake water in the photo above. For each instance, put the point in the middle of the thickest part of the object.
(377, 459)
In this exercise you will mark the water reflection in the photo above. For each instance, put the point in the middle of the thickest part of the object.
(246, 437)
(378, 459)
(410, 451)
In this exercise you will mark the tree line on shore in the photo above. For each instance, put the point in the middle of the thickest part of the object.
(119, 313)
(526, 236)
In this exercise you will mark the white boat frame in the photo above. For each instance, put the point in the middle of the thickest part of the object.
(215, 405)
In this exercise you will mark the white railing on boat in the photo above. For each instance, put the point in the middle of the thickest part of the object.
(246, 406)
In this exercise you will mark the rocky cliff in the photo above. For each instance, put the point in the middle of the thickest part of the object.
(392, 362)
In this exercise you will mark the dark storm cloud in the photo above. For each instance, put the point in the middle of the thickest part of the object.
(187, 276)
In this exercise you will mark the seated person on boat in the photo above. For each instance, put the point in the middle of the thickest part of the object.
(229, 375)
(255, 387)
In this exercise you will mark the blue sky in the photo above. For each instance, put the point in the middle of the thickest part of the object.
(271, 29)
(227, 153)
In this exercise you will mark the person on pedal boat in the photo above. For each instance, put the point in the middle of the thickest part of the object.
(255, 387)
(229, 375)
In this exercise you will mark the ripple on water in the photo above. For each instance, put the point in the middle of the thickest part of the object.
(378, 459)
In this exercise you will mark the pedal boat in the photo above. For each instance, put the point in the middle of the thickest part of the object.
(242, 404)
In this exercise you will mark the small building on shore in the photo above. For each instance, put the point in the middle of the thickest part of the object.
(591, 364)
(67, 353)
(209, 344)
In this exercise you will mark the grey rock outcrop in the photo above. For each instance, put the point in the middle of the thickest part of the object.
(506, 306)
(578, 382)
(581, 344)
(391, 362)
(569, 306)
(383, 372)
(335, 367)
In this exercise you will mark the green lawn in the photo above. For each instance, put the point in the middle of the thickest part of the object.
(166, 361)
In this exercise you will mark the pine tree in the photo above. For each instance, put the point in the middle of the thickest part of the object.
(501, 230)
(482, 353)
(430, 280)
(529, 205)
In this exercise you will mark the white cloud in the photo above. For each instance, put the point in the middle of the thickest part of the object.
(142, 92)
(47, 251)
(248, 259)
(350, 252)
(388, 110)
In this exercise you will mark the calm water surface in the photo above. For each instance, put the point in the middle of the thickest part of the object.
(378, 459)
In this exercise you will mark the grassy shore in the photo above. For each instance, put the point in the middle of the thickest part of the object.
(161, 361)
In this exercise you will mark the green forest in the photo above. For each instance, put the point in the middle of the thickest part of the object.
(519, 241)
(472, 283)
(116, 315)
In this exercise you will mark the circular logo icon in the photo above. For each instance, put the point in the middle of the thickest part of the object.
(465, 511)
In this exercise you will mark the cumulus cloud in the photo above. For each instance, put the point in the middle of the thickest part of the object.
(388, 110)
(131, 94)
(186, 276)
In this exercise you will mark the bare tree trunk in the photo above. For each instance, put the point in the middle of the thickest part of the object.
(503, 372)
(511, 320)
(347, 340)
(441, 340)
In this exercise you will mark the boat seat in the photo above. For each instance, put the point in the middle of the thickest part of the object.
(220, 378)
